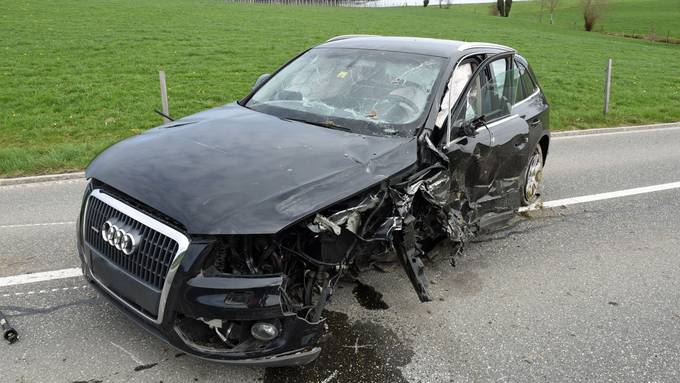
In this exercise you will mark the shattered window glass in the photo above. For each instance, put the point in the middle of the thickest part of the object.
(364, 91)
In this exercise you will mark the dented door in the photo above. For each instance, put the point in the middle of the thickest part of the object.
(471, 164)
(510, 141)
(488, 145)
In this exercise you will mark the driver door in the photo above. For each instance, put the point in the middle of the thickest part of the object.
(480, 130)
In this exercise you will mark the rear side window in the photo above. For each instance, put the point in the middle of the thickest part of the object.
(526, 86)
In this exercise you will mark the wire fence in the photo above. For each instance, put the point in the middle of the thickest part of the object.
(335, 3)
(365, 3)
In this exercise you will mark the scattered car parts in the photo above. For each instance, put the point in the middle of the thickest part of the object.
(8, 332)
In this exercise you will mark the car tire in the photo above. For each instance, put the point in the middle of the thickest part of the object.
(532, 177)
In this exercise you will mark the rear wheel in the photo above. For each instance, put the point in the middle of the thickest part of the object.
(533, 177)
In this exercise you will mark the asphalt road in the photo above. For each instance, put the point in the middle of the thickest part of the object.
(589, 292)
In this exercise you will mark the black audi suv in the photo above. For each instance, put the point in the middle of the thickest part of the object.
(225, 233)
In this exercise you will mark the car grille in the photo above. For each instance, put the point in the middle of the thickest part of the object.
(153, 255)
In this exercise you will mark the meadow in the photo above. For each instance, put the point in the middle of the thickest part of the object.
(77, 76)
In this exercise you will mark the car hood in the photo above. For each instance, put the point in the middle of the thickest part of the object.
(231, 170)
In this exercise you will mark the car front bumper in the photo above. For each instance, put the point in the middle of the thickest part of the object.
(244, 298)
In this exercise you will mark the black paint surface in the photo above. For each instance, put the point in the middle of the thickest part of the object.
(231, 170)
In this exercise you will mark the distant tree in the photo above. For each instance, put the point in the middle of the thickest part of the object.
(493, 10)
(425, 3)
(541, 3)
(504, 7)
(592, 11)
(552, 5)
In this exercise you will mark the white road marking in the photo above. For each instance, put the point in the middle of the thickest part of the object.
(43, 291)
(75, 272)
(585, 135)
(601, 196)
(330, 377)
(37, 224)
(131, 355)
(22, 279)
(357, 346)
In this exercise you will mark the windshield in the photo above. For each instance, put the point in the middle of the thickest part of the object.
(363, 91)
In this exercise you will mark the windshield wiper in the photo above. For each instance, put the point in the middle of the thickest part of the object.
(329, 124)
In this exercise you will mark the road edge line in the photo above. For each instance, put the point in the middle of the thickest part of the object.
(599, 197)
(617, 129)
(43, 178)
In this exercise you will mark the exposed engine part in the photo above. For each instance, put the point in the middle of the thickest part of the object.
(225, 336)
(399, 221)
(208, 335)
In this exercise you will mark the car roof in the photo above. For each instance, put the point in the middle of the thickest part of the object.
(418, 45)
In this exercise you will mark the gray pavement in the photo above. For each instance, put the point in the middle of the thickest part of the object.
(589, 292)
(581, 165)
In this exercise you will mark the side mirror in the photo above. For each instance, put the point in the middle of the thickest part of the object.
(261, 80)
(465, 128)
(468, 130)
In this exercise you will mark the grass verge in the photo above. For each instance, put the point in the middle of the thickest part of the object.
(76, 75)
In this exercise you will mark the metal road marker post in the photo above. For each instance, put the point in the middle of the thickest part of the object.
(164, 97)
(607, 85)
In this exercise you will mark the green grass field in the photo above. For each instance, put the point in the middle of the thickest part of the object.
(645, 17)
(76, 76)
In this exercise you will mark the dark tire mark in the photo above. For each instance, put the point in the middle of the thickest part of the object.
(145, 366)
(19, 311)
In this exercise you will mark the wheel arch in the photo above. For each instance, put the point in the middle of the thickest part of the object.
(545, 143)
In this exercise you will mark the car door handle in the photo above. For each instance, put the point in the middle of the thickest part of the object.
(535, 123)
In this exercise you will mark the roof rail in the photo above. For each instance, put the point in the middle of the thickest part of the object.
(345, 37)
(473, 45)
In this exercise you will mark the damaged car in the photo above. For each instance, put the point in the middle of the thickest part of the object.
(225, 233)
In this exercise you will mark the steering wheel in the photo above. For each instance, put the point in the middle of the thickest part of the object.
(401, 100)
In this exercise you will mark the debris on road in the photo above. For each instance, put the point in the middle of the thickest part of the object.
(8, 332)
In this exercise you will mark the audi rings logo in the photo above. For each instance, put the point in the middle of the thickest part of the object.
(119, 238)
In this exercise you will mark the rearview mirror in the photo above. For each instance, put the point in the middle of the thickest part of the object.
(261, 80)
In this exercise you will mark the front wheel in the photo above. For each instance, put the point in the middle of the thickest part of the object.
(533, 177)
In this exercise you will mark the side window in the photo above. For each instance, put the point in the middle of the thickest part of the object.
(498, 69)
(491, 94)
(526, 85)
